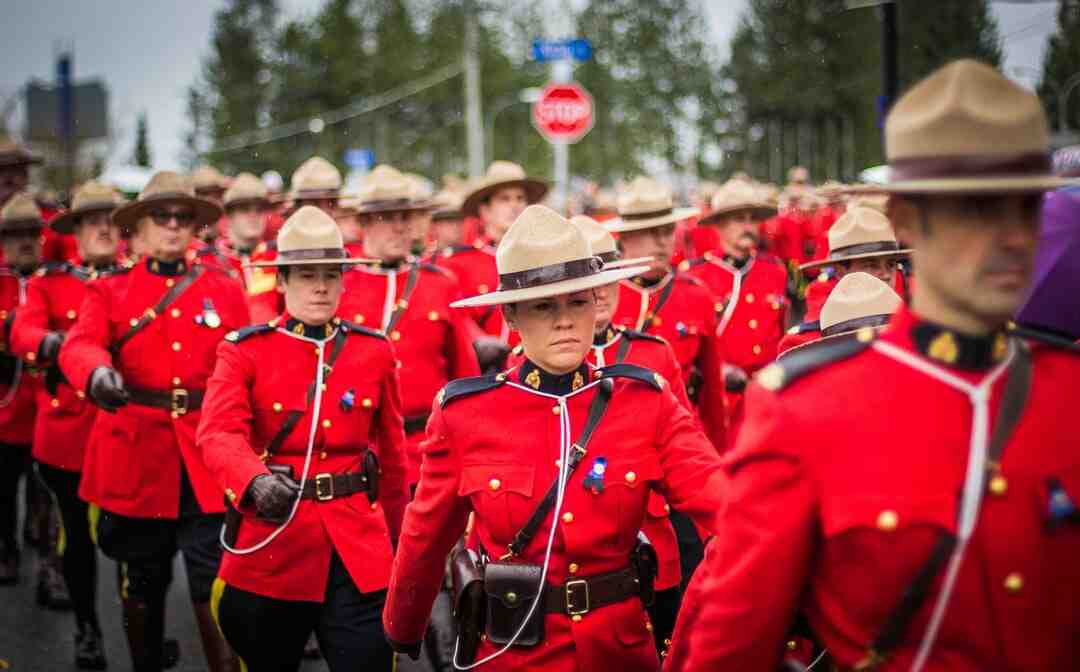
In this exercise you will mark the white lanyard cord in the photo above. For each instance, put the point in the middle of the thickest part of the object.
(315, 407)
(979, 396)
(391, 297)
(564, 455)
(733, 301)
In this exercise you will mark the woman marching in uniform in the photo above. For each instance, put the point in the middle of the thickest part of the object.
(303, 432)
(556, 460)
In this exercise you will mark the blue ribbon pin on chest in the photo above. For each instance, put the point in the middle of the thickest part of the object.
(348, 400)
(1060, 508)
(594, 480)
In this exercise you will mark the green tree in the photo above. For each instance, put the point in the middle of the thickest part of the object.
(1061, 66)
(141, 156)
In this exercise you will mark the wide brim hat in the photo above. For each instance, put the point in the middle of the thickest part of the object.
(967, 129)
(164, 188)
(858, 306)
(738, 196)
(603, 244)
(501, 175)
(644, 204)
(208, 179)
(315, 179)
(386, 189)
(90, 197)
(246, 188)
(310, 237)
(860, 233)
(13, 154)
(542, 255)
(20, 213)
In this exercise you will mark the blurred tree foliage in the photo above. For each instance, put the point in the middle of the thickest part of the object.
(1061, 62)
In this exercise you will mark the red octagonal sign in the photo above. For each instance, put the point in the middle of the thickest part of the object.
(564, 113)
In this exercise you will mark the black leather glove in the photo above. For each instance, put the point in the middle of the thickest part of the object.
(734, 378)
(107, 389)
(50, 346)
(491, 353)
(273, 495)
(410, 650)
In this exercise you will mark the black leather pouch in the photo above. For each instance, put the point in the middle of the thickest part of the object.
(467, 591)
(511, 588)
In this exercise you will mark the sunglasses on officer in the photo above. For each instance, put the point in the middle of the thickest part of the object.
(183, 217)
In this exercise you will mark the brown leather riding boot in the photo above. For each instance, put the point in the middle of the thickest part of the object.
(219, 656)
(144, 627)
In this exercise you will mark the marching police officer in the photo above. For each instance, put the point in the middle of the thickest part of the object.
(558, 487)
(65, 418)
(142, 347)
(407, 300)
(310, 452)
(953, 543)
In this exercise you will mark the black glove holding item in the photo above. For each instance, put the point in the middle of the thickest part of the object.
(734, 378)
(50, 346)
(273, 496)
(491, 353)
(107, 389)
(410, 650)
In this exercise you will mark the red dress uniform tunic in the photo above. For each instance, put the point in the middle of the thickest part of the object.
(260, 283)
(838, 522)
(653, 353)
(752, 326)
(64, 420)
(18, 394)
(479, 457)
(360, 410)
(474, 267)
(816, 233)
(134, 456)
(687, 322)
(430, 338)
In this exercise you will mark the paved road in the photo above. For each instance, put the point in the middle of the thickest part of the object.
(33, 639)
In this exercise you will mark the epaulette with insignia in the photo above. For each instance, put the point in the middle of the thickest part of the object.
(51, 267)
(246, 332)
(358, 329)
(689, 278)
(639, 373)
(799, 362)
(463, 387)
(432, 268)
(687, 264)
(635, 335)
(1043, 336)
(803, 327)
(518, 350)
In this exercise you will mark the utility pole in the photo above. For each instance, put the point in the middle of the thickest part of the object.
(66, 119)
(474, 116)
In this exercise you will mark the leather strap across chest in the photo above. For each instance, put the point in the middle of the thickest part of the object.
(665, 294)
(151, 313)
(406, 294)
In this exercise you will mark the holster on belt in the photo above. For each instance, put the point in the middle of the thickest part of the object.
(467, 592)
(371, 470)
(644, 561)
(233, 517)
(693, 384)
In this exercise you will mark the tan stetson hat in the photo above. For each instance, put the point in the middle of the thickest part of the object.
(447, 205)
(603, 244)
(859, 305)
(90, 197)
(163, 188)
(738, 196)
(208, 179)
(967, 129)
(543, 254)
(860, 233)
(20, 214)
(310, 237)
(14, 154)
(246, 188)
(644, 204)
(501, 174)
(315, 178)
(385, 189)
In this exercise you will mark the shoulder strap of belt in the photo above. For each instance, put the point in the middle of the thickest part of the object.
(623, 350)
(1009, 413)
(150, 315)
(406, 294)
(665, 294)
(577, 451)
(293, 417)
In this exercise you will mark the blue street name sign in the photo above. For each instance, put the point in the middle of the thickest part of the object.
(360, 159)
(561, 50)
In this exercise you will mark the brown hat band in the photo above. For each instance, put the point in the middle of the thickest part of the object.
(865, 248)
(647, 215)
(329, 253)
(919, 168)
(546, 275)
(857, 323)
(444, 215)
(387, 204)
(608, 257)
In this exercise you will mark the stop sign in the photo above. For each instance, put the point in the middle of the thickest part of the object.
(564, 113)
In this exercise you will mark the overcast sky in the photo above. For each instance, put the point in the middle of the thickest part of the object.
(149, 52)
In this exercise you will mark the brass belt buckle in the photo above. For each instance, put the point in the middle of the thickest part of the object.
(324, 487)
(573, 608)
(178, 403)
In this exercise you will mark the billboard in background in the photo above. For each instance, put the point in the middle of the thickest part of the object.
(43, 111)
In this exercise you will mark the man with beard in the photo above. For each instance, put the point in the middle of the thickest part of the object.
(65, 418)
